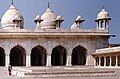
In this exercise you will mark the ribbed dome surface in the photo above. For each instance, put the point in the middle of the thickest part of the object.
(48, 19)
(11, 14)
(103, 14)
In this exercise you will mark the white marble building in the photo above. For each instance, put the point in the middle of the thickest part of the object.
(48, 44)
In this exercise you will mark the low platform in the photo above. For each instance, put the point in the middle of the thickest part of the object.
(63, 72)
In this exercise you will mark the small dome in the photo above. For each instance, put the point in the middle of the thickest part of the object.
(48, 19)
(103, 14)
(59, 17)
(10, 15)
(79, 18)
(38, 17)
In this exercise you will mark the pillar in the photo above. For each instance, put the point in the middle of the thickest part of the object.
(99, 61)
(28, 60)
(116, 64)
(104, 25)
(110, 61)
(38, 24)
(48, 60)
(28, 57)
(104, 61)
(7, 60)
(7, 57)
(69, 58)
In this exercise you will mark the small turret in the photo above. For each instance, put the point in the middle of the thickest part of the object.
(58, 21)
(102, 20)
(38, 20)
(78, 21)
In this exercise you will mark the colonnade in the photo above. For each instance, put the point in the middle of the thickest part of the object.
(107, 60)
(58, 56)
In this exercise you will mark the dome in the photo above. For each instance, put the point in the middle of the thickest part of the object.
(79, 19)
(48, 19)
(38, 17)
(103, 14)
(8, 18)
(59, 17)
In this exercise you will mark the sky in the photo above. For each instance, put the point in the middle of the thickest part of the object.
(69, 10)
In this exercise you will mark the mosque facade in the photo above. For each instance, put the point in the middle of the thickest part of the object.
(50, 45)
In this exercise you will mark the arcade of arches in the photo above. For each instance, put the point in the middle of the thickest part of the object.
(39, 56)
(107, 60)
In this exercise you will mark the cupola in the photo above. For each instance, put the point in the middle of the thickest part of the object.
(102, 20)
(12, 19)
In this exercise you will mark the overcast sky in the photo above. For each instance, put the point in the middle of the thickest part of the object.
(69, 9)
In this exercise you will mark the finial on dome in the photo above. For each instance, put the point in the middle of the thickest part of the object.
(48, 5)
(12, 2)
(103, 7)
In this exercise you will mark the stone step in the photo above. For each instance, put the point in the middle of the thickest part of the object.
(80, 77)
(63, 72)
(68, 72)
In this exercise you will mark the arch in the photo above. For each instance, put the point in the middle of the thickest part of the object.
(97, 61)
(118, 60)
(38, 56)
(79, 55)
(113, 60)
(107, 61)
(18, 56)
(58, 56)
(2, 57)
(102, 61)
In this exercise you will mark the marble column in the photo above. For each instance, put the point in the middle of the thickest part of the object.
(7, 57)
(28, 61)
(104, 61)
(99, 61)
(48, 60)
(116, 64)
(69, 60)
(110, 61)
(7, 60)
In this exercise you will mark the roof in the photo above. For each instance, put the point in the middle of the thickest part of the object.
(107, 50)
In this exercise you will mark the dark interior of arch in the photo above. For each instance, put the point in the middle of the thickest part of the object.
(2, 57)
(38, 56)
(17, 56)
(79, 56)
(58, 57)
(102, 61)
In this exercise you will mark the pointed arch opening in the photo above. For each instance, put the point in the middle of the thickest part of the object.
(118, 60)
(38, 56)
(102, 61)
(79, 55)
(97, 61)
(107, 61)
(58, 57)
(113, 60)
(2, 57)
(18, 56)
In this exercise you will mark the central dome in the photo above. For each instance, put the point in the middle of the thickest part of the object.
(11, 15)
(48, 19)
